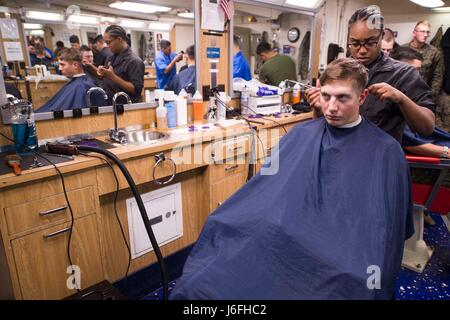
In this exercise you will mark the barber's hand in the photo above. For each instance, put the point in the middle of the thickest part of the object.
(105, 72)
(385, 91)
(178, 57)
(90, 67)
(313, 96)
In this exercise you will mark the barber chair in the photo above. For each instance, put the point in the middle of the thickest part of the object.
(416, 253)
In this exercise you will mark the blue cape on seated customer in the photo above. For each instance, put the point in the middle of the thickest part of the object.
(336, 211)
(73, 95)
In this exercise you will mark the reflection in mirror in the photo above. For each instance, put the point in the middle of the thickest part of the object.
(275, 44)
(68, 50)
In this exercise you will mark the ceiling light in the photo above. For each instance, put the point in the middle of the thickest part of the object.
(304, 3)
(138, 7)
(442, 9)
(83, 19)
(43, 15)
(160, 26)
(37, 32)
(132, 23)
(108, 19)
(31, 26)
(429, 3)
(189, 15)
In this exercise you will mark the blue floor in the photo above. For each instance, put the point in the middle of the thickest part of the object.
(432, 284)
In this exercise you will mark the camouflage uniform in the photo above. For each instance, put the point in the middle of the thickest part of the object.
(443, 111)
(432, 70)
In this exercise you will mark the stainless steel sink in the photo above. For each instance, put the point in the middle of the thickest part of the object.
(141, 136)
(136, 134)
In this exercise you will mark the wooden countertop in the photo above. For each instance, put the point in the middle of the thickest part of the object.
(175, 139)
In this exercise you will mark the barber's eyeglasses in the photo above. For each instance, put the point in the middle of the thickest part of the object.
(423, 31)
(370, 44)
(108, 42)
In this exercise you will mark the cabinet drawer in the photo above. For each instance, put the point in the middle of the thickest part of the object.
(29, 215)
(230, 148)
(41, 259)
(223, 171)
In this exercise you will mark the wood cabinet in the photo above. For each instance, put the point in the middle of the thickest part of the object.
(41, 259)
(35, 226)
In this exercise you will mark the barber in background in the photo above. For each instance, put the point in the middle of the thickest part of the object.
(124, 70)
(165, 63)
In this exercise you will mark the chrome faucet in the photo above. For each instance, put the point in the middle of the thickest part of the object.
(89, 92)
(116, 134)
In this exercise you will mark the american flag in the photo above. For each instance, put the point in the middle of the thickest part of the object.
(228, 8)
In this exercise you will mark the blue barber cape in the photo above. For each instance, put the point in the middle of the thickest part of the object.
(241, 69)
(338, 209)
(73, 95)
(183, 80)
(438, 137)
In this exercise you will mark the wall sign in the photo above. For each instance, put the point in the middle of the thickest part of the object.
(13, 51)
(213, 53)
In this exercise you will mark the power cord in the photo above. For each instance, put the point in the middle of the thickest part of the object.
(269, 119)
(65, 196)
(231, 109)
(116, 194)
(142, 210)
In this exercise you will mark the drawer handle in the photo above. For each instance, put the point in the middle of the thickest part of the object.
(219, 203)
(231, 168)
(54, 234)
(42, 87)
(235, 149)
(52, 211)
(44, 97)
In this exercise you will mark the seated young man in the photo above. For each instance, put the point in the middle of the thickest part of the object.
(330, 224)
(73, 94)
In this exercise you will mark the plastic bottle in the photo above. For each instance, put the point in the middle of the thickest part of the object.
(147, 96)
(244, 96)
(24, 129)
(296, 96)
(181, 104)
(161, 115)
(197, 107)
(169, 98)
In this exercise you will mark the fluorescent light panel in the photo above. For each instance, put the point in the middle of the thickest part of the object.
(43, 15)
(37, 32)
(442, 9)
(31, 26)
(429, 3)
(132, 23)
(189, 15)
(304, 3)
(83, 19)
(138, 7)
(160, 26)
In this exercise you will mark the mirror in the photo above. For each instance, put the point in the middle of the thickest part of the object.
(47, 81)
(288, 33)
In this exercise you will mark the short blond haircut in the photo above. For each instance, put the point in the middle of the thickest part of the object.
(424, 22)
(346, 69)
